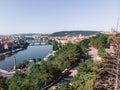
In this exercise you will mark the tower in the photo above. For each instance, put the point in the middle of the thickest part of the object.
(14, 67)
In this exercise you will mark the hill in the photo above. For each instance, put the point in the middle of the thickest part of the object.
(71, 33)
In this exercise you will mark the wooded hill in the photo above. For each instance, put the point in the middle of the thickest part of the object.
(72, 33)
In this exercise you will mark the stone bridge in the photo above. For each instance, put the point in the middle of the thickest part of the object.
(38, 40)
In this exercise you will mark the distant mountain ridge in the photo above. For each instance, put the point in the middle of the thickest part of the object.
(71, 33)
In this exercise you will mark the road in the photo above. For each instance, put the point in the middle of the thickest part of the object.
(7, 74)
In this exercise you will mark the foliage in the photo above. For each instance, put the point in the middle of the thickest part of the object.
(23, 42)
(87, 74)
(45, 74)
(100, 41)
(67, 56)
(65, 86)
(71, 33)
(56, 45)
(23, 65)
(3, 84)
(16, 81)
(102, 53)
(84, 45)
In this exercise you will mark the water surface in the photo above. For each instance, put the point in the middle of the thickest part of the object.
(7, 61)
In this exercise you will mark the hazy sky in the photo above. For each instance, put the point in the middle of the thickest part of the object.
(47, 16)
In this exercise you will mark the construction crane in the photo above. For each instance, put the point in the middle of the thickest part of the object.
(116, 35)
(117, 46)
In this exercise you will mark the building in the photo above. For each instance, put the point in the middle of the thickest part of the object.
(1, 47)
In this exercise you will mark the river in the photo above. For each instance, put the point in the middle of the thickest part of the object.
(7, 61)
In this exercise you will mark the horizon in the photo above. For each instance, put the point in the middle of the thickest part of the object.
(27, 16)
(53, 32)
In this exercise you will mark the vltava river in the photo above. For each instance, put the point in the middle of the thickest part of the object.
(7, 61)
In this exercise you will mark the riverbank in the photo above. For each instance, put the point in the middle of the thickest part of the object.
(52, 53)
(12, 51)
(7, 74)
(9, 51)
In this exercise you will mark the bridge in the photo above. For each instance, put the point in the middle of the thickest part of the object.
(42, 40)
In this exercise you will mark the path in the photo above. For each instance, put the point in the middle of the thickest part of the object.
(7, 74)
(67, 79)
(94, 54)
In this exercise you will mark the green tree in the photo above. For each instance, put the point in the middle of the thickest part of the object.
(100, 41)
(16, 81)
(28, 84)
(87, 74)
(3, 84)
(102, 53)
(65, 86)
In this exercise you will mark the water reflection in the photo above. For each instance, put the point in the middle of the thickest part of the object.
(5, 56)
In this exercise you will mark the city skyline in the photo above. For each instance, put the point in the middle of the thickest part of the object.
(48, 16)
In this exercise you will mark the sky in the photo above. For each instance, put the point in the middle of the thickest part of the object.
(48, 16)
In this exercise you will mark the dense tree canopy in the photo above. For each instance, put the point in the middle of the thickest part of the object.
(87, 74)
(56, 45)
(71, 33)
(100, 41)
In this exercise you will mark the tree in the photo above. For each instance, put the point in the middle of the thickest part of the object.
(100, 41)
(28, 84)
(102, 53)
(84, 44)
(55, 46)
(16, 81)
(3, 85)
(23, 64)
(65, 86)
(87, 74)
